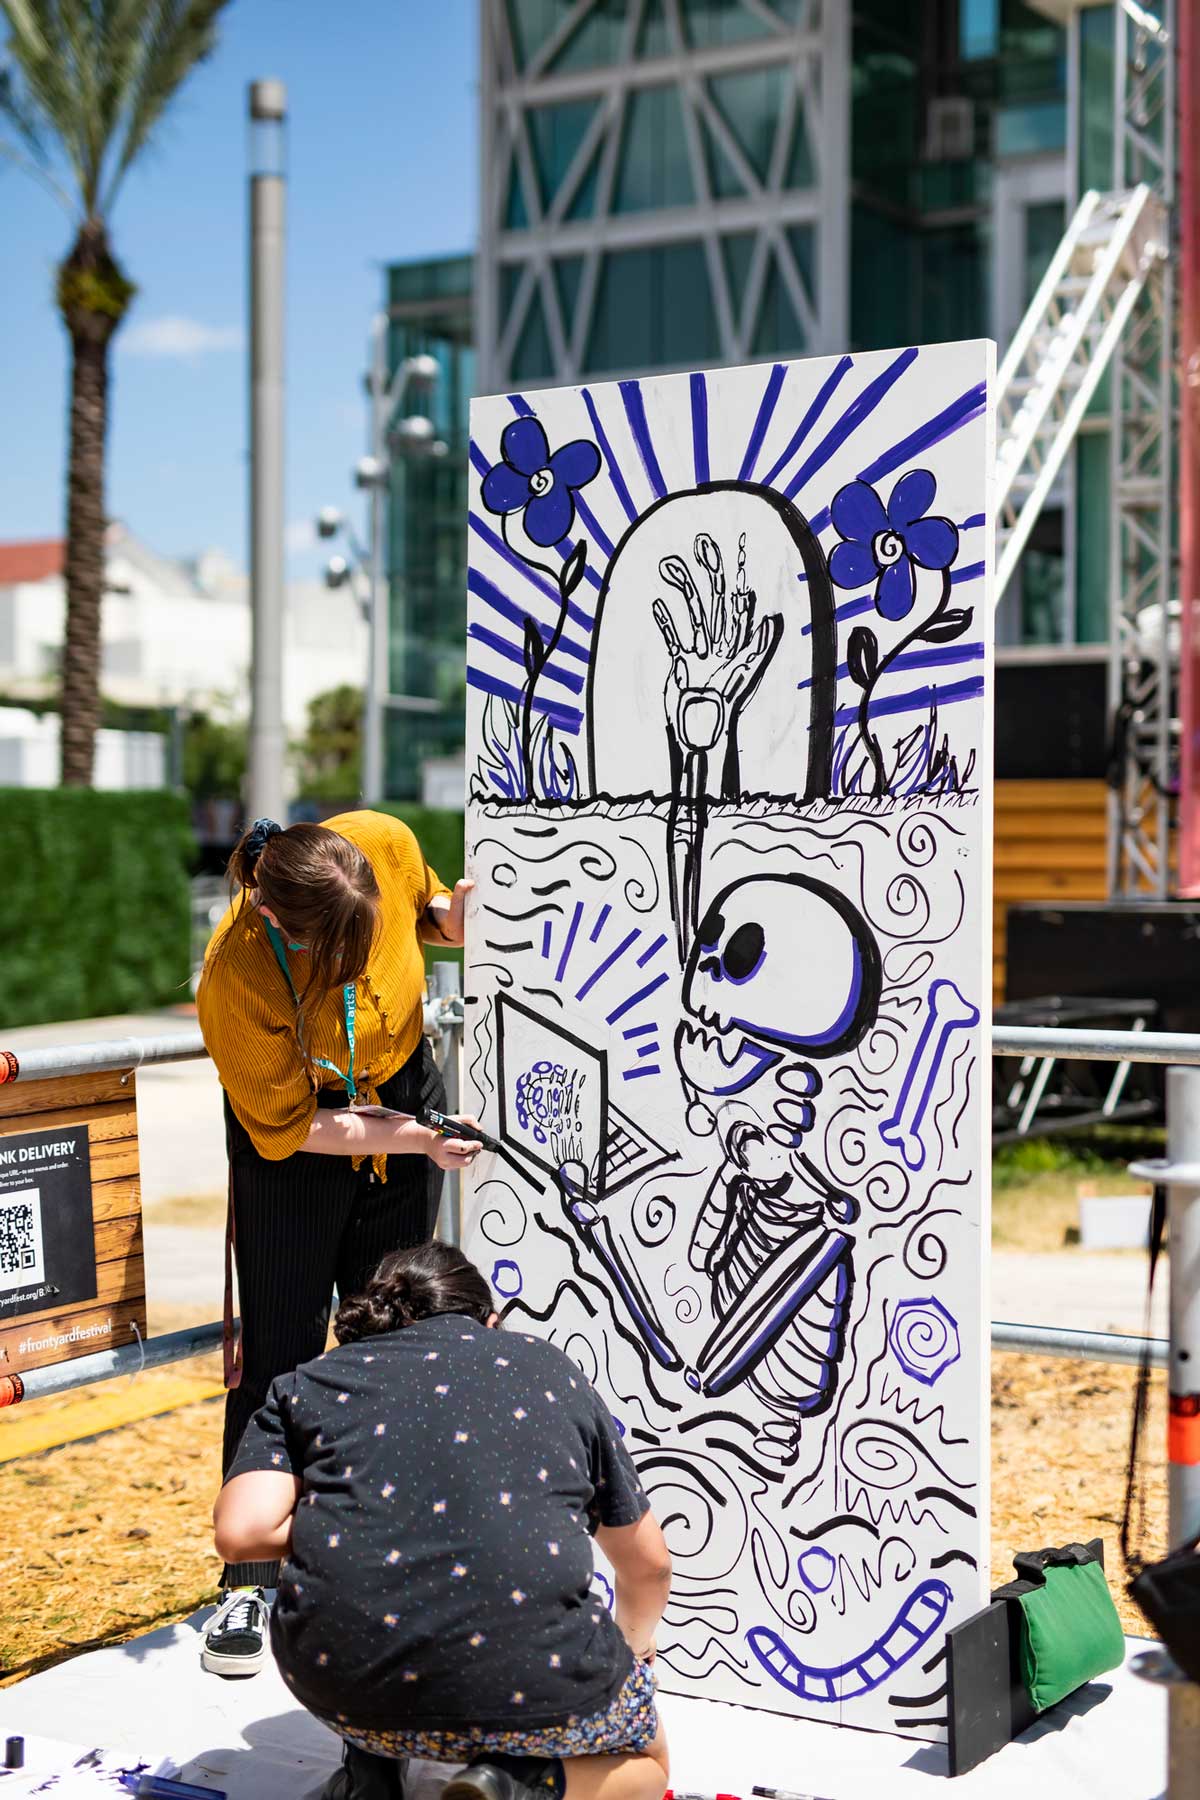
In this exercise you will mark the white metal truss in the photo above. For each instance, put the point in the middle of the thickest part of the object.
(811, 52)
(1061, 350)
(1143, 684)
(1107, 302)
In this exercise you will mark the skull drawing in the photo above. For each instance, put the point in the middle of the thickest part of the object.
(780, 963)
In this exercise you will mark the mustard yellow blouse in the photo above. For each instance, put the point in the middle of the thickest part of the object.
(248, 1017)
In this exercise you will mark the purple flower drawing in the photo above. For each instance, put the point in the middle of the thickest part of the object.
(887, 546)
(542, 486)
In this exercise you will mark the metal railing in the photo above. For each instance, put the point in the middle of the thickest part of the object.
(444, 1023)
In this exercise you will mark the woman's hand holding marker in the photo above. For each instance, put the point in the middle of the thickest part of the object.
(457, 1141)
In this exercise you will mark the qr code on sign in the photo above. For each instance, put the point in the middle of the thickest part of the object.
(21, 1263)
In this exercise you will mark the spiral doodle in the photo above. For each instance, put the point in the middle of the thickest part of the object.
(582, 1352)
(885, 1184)
(688, 1304)
(502, 1218)
(700, 1509)
(916, 841)
(908, 901)
(924, 1252)
(652, 1217)
(879, 1051)
(872, 1453)
(924, 1339)
(641, 898)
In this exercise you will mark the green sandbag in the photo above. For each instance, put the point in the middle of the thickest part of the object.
(1070, 1632)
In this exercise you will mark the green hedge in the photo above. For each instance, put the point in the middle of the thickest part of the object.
(439, 832)
(97, 904)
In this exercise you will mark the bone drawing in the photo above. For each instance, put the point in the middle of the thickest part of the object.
(949, 1011)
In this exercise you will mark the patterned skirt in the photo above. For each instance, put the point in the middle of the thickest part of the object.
(626, 1725)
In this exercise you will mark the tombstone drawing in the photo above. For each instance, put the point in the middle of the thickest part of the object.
(729, 817)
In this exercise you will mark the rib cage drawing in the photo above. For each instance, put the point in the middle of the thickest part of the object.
(729, 819)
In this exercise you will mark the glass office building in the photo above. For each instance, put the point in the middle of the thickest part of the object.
(430, 309)
(670, 183)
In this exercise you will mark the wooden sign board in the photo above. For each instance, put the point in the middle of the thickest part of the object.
(72, 1271)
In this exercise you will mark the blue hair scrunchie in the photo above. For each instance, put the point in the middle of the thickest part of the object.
(260, 831)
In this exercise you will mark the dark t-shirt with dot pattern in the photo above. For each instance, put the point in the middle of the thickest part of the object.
(441, 1564)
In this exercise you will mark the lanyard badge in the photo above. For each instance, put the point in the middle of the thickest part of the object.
(350, 1007)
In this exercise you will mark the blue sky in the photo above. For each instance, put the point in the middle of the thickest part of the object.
(382, 166)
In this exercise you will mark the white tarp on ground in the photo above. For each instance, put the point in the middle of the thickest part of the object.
(151, 1700)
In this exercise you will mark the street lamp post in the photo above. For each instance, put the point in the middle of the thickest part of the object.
(414, 434)
(268, 114)
(377, 624)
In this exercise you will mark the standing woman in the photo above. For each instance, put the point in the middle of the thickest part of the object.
(311, 1003)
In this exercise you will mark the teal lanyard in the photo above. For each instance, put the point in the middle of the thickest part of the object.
(349, 1001)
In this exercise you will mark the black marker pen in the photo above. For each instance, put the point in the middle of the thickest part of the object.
(447, 1127)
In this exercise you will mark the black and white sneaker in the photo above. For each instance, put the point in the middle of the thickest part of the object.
(235, 1642)
(366, 1777)
(499, 1776)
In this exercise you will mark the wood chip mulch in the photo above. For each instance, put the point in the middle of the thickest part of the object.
(105, 1539)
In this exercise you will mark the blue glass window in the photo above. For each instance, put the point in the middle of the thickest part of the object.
(709, 22)
(654, 170)
(750, 103)
(599, 38)
(532, 359)
(556, 133)
(654, 38)
(779, 332)
(653, 310)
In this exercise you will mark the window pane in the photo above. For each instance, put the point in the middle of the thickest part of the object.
(531, 23)
(885, 281)
(654, 169)
(1044, 227)
(801, 172)
(707, 22)
(515, 216)
(583, 205)
(1091, 537)
(738, 248)
(653, 310)
(1028, 129)
(556, 133)
(600, 38)
(1040, 575)
(779, 332)
(654, 39)
(978, 28)
(1096, 80)
(749, 103)
(952, 300)
(567, 273)
(532, 359)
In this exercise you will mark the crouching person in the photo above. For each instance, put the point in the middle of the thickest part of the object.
(433, 1485)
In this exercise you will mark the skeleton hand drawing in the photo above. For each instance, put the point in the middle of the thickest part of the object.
(709, 686)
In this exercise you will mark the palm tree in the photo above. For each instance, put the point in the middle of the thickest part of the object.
(86, 84)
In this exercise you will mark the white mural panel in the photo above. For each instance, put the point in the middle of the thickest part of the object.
(729, 761)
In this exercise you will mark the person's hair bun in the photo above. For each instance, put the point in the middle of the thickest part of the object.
(410, 1285)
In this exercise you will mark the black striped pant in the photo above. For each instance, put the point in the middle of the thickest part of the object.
(305, 1224)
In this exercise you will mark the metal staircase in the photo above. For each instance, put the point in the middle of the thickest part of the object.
(1065, 343)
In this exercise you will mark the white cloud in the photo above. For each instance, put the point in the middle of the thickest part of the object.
(299, 535)
(174, 335)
